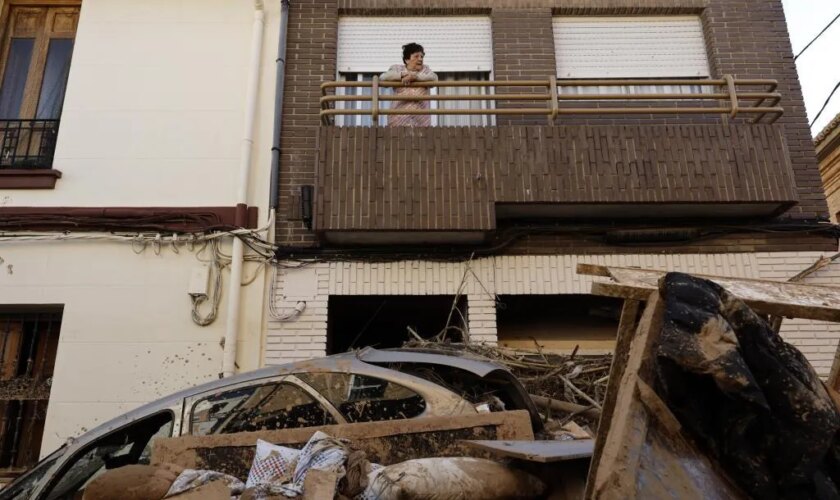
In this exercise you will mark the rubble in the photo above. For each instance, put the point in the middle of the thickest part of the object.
(385, 443)
(703, 399)
(564, 387)
(746, 396)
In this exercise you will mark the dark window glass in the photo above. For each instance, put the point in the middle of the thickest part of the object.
(55, 79)
(14, 79)
(360, 398)
(130, 445)
(274, 406)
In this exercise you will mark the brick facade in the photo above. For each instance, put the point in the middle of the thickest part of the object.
(462, 178)
(310, 61)
(749, 39)
(523, 49)
(306, 335)
(744, 38)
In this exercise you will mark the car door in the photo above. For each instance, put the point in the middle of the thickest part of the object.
(130, 444)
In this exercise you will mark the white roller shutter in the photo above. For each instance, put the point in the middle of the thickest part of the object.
(452, 43)
(630, 47)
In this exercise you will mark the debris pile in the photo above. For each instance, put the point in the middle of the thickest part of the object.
(325, 467)
(565, 388)
(706, 401)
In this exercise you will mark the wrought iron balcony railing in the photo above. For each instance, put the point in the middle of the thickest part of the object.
(727, 96)
(27, 144)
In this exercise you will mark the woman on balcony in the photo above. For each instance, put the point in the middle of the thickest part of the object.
(412, 70)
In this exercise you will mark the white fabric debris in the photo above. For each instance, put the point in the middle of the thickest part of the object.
(191, 479)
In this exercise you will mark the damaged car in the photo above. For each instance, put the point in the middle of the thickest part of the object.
(362, 386)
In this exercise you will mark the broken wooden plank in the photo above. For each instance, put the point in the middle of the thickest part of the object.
(775, 298)
(657, 408)
(384, 442)
(644, 452)
(614, 473)
(538, 451)
(565, 406)
(627, 324)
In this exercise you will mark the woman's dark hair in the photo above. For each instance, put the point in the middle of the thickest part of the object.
(411, 48)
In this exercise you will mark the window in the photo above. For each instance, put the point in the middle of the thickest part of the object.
(271, 406)
(28, 344)
(129, 445)
(458, 48)
(34, 66)
(361, 398)
(663, 47)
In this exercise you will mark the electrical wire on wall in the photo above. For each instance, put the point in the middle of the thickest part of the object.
(215, 295)
(206, 243)
(206, 246)
(273, 310)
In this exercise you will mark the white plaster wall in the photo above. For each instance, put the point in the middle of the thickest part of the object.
(154, 109)
(126, 336)
(153, 117)
(305, 336)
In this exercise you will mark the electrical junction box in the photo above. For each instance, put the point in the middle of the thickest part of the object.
(199, 281)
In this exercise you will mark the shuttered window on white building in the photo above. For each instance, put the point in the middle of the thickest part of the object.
(630, 47)
(458, 48)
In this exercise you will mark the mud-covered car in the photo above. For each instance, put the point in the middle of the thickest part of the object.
(362, 386)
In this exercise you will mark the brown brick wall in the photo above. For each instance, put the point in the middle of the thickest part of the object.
(747, 38)
(523, 49)
(310, 61)
(454, 178)
(577, 7)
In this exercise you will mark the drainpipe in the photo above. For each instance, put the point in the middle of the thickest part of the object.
(274, 198)
(235, 285)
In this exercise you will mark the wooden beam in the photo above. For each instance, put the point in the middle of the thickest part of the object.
(626, 328)
(774, 298)
(537, 451)
(613, 473)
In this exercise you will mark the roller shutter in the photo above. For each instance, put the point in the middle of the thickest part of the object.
(630, 47)
(452, 43)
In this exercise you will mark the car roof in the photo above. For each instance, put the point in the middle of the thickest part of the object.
(345, 362)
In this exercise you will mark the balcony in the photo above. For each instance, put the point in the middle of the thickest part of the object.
(715, 153)
(27, 148)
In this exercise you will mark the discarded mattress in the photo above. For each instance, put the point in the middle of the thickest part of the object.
(750, 399)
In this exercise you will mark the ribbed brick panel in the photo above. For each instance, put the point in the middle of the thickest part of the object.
(450, 178)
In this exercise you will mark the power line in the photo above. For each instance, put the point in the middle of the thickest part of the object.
(825, 103)
(816, 37)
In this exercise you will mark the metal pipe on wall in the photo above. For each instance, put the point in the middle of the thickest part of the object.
(274, 198)
(235, 286)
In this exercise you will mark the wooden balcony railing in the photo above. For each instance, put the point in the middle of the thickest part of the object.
(727, 96)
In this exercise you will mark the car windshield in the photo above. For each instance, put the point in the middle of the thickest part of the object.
(22, 488)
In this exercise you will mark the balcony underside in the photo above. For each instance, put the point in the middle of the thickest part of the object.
(450, 184)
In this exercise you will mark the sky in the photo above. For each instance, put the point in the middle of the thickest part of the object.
(819, 66)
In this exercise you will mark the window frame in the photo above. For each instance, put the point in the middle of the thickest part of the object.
(191, 401)
(67, 463)
(700, 87)
(28, 177)
(352, 377)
